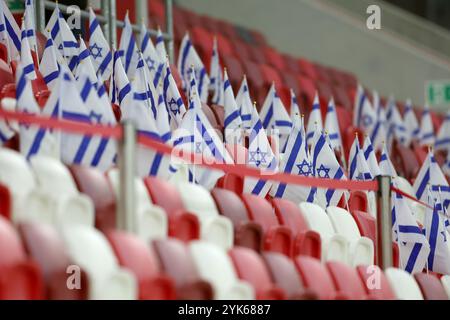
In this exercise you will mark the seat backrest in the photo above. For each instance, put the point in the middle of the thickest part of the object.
(53, 176)
(358, 201)
(15, 172)
(403, 284)
(260, 211)
(430, 286)
(375, 282)
(315, 276)
(346, 280)
(366, 224)
(11, 248)
(343, 223)
(197, 199)
(317, 219)
(230, 205)
(289, 215)
(159, 189)
(283, 272)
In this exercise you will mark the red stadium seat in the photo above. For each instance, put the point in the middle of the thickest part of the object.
(176, 261)
(240, 50)
(431, 287)
(211, 117)
(290, 80)
(307, 242)
(316, 277)
(285, 276)
(341, 97)
(133, 254)
(44, 244)
(258, 38)
(234, 70)
(307, 92)
(203, 43)
(375, 282)
(8, 91)
(256, 54)
(246, 233)
(358, 201)
(270, 74)
(405, 161)
(228, 30)
(291, 63)
(276, 238)
(307, 68)
(231, 181)
(254, 76)
(219, 112)
(3, 53)
(20, 278)
(366, 224)
(182, 224)
(250, 267)
(225, 46)
(346, 280)
(5, 202)
(94, 184)
(323, 73)
(274, 58)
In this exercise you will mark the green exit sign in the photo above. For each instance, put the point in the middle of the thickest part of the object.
(16, 5)
(437, 93)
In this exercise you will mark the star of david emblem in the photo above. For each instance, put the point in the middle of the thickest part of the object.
(150, 63)
(323, 172)
(367, 120)
(258, 157)
(173, 106)
(60, 47)
(304, 168)
(95, 117)
(96, 51)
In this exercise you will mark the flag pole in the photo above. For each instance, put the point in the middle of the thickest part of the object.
(384, 223)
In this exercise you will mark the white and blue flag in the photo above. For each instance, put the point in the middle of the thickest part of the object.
(9, 32)
(172, 97)
(84, 58)
(411, 123)
(332, 127)
(396, 127)
(120, 87)
(245, 104)
(233, 128)
(295, 111)
(30, 26)
(143, 87)
(49, 66)
(443, 136)
(151, 57)
(314, 121)
(100, 51)
(371, 159)
(216, 77)
(426, 128)
(386, 166)
(364, 115)
(25, 56)
(358, 166)
(160, 46)
(128, 50)
(378, 135)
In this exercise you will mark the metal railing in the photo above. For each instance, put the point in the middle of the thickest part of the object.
(108, 20)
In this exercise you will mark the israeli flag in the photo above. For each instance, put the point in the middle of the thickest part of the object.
(172, 98)
(359, 168)
(436, 233)
(232, 123)
(160, 46)
(187, 59)
(371, 159)
(446, 168)
(25, 56)
(34, 140)
(386, 166)
(426, 128)
(143, 88)
(325, 165)
(120, 87)
(49, 66)
(84, 59)
(413, 246)
(128, 50)
(378, 135)
(430, 174)
(364, 115)
(295, 161)
(314, 121)
(296, 117)
(63, 38)
(151, 57)
(216, 78)
(163, 120)
(6, 132)
(30, 26)
(245, 104)
(332, 127)
(99, 49)
(395, 124)
(443, 136)
(411, 123)
(9, 32)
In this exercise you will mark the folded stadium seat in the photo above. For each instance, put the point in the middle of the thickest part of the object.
(285, 276)
(215, 266)
(44, 245)
(290, 80)
(240, 50)
(231, 181)
(277, 238)
(420, 152)
(3, 53)
(5, 202)
(347, 281)
(358, 201)
(431, 287)
(17, 176)
(325, 94)
(307, 92)
(68, 206)
(156, 8)
(93, 183)
(323, 73)
(361, 248)
(211, 117)
(135, 255)
(90, 249)
(315, 277)
(179, 28)
(193, 19)
(225, 46)
(291, 64)
(307, 242)
(210, 24)
(258, 38)
(182, 224)
(176, 261)
(375, 282)
(219, 112)
(246, 233)
(350, 80)
(151, 220)
(256, 54)
(270, 75)
(254, 76)
(403, 284)
(341, 97)
(203, 43)
(445, 280)
(274, 58)
(20, 278)
(334, 246)
(307, 69)
(404, 161)
(251, 268)
(213, 227)
(234, 70)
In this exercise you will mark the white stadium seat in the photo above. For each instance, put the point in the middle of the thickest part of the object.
(214, 228)
(89, 249)
(151, 219)
(403, 284)
(214, 265)
(361, 249)
(68, 205)
(334, 246)
(27, 199)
